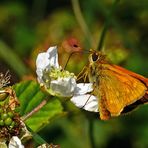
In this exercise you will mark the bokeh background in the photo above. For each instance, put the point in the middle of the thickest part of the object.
(29, 27)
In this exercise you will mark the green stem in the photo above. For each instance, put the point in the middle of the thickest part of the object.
(13, 60)
(37, 138)
(107, 24)
(105, 28)
(81, 21)
(91, 133)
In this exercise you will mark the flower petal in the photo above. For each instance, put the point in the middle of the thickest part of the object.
(83, 88)
(46, 60)
(53, 56)
(42, 62)
(63, 87)
(87, 102)
(15, 142)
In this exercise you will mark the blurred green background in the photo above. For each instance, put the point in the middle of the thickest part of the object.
(28, 27)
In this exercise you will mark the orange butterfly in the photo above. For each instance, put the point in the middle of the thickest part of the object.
(118, 90)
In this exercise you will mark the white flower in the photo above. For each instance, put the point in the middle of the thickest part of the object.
(59, 82)
(56, 81)
(15, 142)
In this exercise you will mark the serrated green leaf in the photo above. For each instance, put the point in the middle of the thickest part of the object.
(30, 96)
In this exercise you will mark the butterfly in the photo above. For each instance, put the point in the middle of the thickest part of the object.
(118, 90)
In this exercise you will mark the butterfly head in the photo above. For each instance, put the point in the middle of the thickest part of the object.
(96, 56)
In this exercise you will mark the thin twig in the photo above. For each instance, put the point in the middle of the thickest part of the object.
(81, 21)
(36, 109)
(107, 24)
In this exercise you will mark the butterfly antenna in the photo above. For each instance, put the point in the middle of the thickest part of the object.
(70, 57)
(68, 60)
(84, 51)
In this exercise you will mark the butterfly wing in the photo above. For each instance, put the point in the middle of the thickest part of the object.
(119, 69)
(141, 78)
(117, 90)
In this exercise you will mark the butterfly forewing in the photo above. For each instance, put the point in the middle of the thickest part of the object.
(117, 68)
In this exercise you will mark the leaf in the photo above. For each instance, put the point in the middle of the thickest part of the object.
(30, 96)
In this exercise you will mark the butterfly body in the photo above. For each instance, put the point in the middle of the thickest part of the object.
(114, 86)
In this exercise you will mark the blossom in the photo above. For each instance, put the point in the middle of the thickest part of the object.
(62, 83)
(15, 142)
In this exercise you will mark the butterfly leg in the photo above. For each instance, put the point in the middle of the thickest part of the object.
(86, 102)
(83, 74)
(89, 100)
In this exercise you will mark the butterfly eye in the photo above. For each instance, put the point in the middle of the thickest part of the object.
(94, 57)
